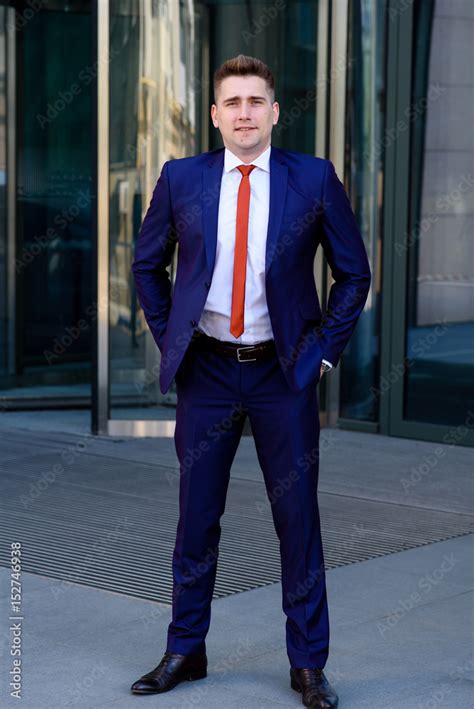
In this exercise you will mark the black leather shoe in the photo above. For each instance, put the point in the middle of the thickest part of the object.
(172, 669)
(316, 690)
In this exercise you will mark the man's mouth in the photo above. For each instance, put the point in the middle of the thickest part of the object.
(245, 130)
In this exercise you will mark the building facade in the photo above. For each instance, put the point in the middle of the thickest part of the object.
(95, 96)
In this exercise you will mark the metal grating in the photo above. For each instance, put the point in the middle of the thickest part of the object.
(111, 524)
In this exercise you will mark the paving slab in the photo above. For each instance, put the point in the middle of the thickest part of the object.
(401, 624)
(395, 641)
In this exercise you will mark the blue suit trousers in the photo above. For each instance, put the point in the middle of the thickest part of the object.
(215, 394)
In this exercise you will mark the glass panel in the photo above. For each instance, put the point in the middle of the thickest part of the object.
(364, 168)
(156, 97)
(440, 249)
(162, 58)
(50, 340)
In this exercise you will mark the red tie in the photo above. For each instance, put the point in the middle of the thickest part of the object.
(240, 253)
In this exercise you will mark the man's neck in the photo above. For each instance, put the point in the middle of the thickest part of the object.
(246, 159)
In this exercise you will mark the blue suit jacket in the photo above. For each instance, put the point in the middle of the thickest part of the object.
(308, 206)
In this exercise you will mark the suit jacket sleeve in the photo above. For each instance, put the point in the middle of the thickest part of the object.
(345, 252)
(153, 253)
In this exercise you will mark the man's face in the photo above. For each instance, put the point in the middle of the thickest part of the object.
(245, 115)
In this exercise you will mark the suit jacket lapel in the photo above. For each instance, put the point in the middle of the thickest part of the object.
(278, 185)
(211, 187)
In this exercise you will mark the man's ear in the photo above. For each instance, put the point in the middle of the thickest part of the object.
(277, 106)
(213, 115)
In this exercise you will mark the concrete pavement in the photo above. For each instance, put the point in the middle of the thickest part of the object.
(401, 624)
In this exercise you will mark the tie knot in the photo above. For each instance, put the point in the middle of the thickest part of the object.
(246, 169)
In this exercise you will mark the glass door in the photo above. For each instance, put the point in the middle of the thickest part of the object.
(155, 67)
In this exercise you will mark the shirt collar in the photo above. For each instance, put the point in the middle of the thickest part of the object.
(231, 161)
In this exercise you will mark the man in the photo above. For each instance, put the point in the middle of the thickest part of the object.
(243, 335)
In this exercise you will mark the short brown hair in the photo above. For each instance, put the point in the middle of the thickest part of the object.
(241, 65)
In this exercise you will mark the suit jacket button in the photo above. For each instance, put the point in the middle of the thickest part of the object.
(207, 284)
(193, 323)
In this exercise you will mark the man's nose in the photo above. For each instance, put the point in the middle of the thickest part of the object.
(244, 110)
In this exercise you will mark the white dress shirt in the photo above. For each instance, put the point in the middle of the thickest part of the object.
(215, 318)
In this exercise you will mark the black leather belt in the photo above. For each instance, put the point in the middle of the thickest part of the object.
(242, 353)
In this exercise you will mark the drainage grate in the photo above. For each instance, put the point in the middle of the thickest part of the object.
(111, 524)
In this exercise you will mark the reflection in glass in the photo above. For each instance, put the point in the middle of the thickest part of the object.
(155, 100)
(364, 168)
(440, 250)
(51, 322)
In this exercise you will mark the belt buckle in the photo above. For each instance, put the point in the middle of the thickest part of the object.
(244, 360)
